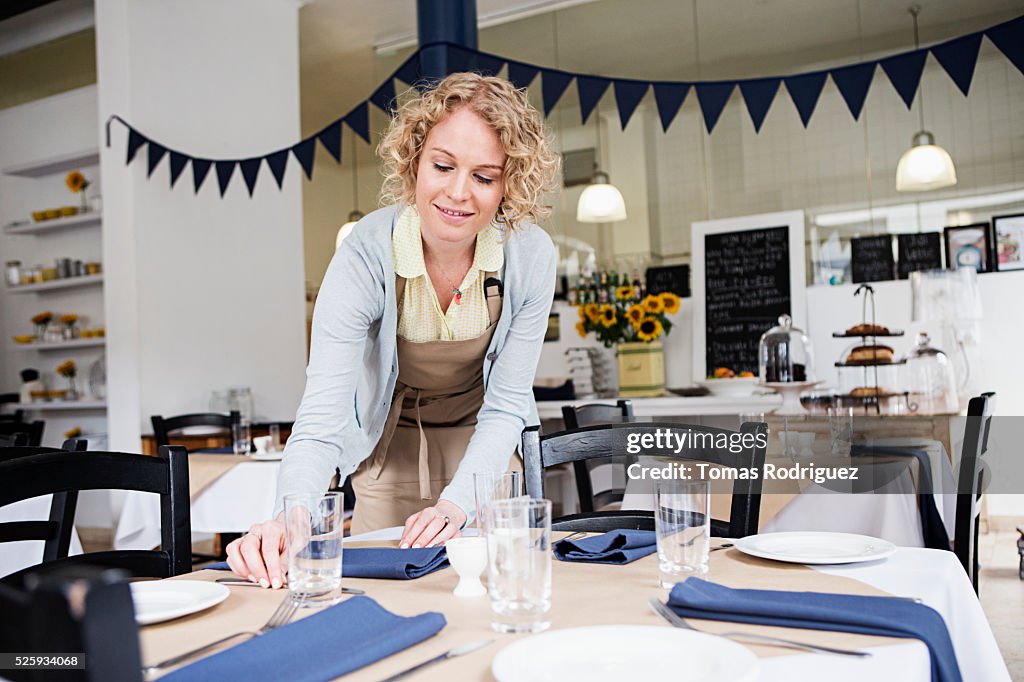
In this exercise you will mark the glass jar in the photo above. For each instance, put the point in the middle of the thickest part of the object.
(928, 376)
(13, 273)
(784, 354)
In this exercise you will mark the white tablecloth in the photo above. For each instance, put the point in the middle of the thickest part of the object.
(231, 504)
(15, 556)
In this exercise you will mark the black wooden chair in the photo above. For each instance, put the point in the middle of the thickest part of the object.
(15, 440)
(971, 482)
(165, 474)
(164, 427)
(589, 415)
(609, 440)
(86, 612)
(33, 431)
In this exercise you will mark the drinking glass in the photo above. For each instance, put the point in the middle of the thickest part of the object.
(682, 525)
(275, 437)
(494, 485)
(241, 437)
(314, 529)
(519, 563)
(840, 428)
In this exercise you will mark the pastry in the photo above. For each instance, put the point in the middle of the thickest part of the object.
(867, 329)
(866, 392)
(869, 355)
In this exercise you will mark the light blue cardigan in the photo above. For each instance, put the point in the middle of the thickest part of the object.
(353, 361)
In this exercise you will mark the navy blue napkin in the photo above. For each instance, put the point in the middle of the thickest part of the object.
(323, 646)
(614, 547)
(885, 616)
(382, 562)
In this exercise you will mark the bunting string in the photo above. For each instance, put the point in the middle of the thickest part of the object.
(957, 57)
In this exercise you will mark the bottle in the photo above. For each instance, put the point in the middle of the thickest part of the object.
(573, 295)
(638, 288)
(602, 289)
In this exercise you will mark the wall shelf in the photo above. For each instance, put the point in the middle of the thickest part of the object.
(55, 164)
(60, 405)
(80, 220)
(66, 283)
(61, 345)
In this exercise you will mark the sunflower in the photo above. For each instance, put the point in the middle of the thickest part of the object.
(624, 293)
(76, 182)
(581, 330)
(68, 318)
(635, 315)
(67, 368)
(608, 317)
(42, 318)
(649, 329)
(654, 304)
(592, 311)
(73, 432)
(670, 301)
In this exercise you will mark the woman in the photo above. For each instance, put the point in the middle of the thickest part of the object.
(429, 323)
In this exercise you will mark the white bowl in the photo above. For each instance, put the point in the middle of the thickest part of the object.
(735, 387)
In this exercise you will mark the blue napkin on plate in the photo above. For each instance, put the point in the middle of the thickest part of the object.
(382, 562)
(614, 547)
(696, 598)
(320, 647)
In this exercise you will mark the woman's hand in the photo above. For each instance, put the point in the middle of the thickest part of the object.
(433, 526)
(259, 554)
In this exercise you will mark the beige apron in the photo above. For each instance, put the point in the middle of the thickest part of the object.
(437, 396)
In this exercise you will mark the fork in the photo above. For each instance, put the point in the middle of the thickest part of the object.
(281, 615)
(673, 619)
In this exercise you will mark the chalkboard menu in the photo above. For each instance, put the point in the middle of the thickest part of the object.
(674, 278)
(918, 252)
(747, 287)
(871, 259)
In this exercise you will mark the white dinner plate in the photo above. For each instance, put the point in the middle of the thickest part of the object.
(800, 547)
(615, 653)
(736, 386)
(267, 456)
(160, 600)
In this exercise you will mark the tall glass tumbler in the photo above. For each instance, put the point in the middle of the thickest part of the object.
(314, 530)
(682, 525)
(495, 485)
(241, 438)
(519, 563)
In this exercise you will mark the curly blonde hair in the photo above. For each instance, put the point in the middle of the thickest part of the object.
(531, 166)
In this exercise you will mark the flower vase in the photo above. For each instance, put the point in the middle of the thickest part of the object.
(84, 206)
(641, 369)
(40, 332)
(72, 393)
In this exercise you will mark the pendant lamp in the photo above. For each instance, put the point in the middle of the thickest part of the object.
(356, 215)
(925, 166)
(601, 201)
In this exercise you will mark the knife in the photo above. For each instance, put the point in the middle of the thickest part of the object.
(451, 653)
(239, 582)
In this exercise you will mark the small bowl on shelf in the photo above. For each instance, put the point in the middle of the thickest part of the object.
(67, 211)
(24, 338)
(733, 387)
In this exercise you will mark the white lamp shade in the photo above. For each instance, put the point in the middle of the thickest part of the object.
(601, 203)
(924, 166)
(343, 232)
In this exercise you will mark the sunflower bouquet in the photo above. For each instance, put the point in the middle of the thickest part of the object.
(67, 369)
(78, 183)
(628, 318)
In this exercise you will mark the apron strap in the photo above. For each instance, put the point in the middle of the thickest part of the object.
(424, 461)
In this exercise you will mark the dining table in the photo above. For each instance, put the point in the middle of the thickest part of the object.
(585, 594)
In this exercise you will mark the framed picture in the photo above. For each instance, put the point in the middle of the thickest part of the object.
(1009, 248)
(969, 246)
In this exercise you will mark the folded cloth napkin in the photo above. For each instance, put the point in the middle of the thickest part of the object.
(885, 616)
(382, 562)
(614, 547)
(320, 647)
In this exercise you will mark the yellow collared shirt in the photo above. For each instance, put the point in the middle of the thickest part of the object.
(420, 316)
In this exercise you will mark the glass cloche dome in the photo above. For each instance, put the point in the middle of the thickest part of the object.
(928, 376)
(785, 355)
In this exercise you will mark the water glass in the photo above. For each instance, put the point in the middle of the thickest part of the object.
(314, 530)
(840, 428)
(518, 535)
(275, 437)
(241, 437)
(495, 485)
(682, 525)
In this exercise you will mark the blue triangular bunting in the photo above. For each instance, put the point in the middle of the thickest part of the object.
(805, 90)
(591, 89)
(959, 57)
(384, 97)
(487, 64)
(627, 98)
(303, 152)
(1009, 38)
(758, 95)
(459, 58)
(225, 169)
(200, 169)
(153, 156)
(178, 162)
(669, 97)
(553, 85)
(135, 140)
(853, 83)
(359, 121)
(904, 72)
(278, 162)
(330, 138)
(712, 98)
(521, 74)
(250, 170)
(409, 71)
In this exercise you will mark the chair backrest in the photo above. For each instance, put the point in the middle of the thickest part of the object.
(166, 474)
(89, 612)
(164, 427)
(575, 416)
(970, 483)
(608, 440)
(33, 430)
(16, 416)
(14, 440)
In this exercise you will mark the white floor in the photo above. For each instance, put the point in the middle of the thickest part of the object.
(1002, 596)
